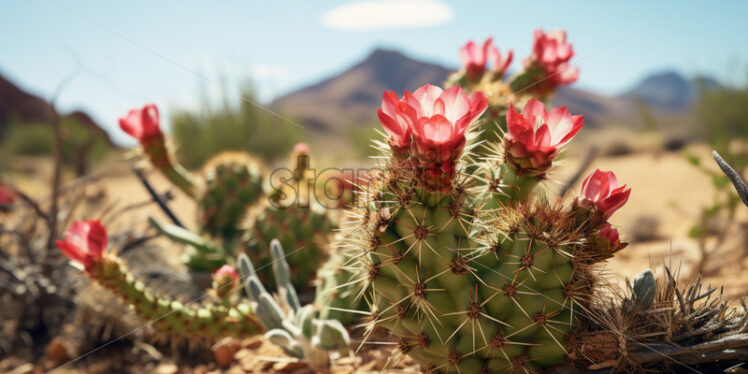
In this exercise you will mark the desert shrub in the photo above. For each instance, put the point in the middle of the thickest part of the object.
(81, 146)
(27, 139)
(723, 115)
(203, 133)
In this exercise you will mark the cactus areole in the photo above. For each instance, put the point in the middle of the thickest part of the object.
(470, 276)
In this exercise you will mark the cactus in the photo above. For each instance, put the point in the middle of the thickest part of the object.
(304, 230)
(233, 182)
(294, 217)
(477, 272)
(335, 295)
(289, 325)
(85, 243)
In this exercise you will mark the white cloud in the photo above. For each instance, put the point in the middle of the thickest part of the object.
(384, 14)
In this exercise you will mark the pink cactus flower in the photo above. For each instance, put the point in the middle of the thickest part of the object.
(7, 195)
(601, 190)
(475, 57)
(142, 124)
(225, 280)
(610, 234)
(395, 122)
(536, 136)
(440, 118)
(84, 242)
(552, 53)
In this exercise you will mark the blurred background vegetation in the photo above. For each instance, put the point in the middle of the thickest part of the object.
(200, 134)
(723, 116)
(81, 145)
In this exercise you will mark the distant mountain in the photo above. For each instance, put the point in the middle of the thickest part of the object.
(668, 90)
(352, 97)
(21, 106)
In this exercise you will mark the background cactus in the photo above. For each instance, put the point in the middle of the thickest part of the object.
(294, 328)
(233, 182)
(305, 230)
(294, 217)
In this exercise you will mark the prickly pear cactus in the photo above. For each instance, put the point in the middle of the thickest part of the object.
(233, 182)
(477, 273)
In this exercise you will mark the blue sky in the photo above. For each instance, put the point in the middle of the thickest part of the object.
(174, 52)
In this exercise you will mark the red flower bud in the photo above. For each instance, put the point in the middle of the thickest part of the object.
(475, 58)
(601, 190)
(142, 124)
(535, 137)
(84, 242)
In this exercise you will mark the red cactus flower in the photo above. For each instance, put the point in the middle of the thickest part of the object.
(610, 234)
(84, 242)
(225, 280)
(535, 137)
(7, 195)
(601, 190)
(552, 53)
(441, 117)
(474, 58)
(142, 124)
(395, 122)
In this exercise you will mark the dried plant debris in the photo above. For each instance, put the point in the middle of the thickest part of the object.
(686, 328)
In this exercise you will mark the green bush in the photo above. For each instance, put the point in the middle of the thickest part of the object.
(27, 139)
(723, 115)
(80, 145)
(200, 135)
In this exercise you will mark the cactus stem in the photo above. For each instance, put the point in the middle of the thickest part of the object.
(170, 316)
